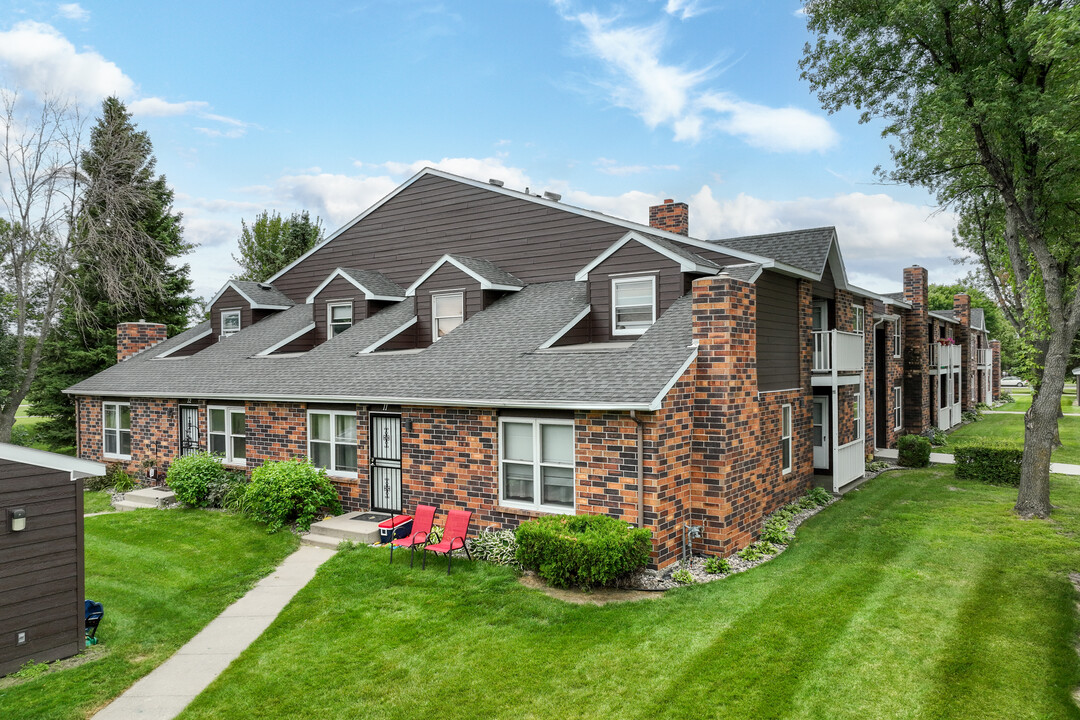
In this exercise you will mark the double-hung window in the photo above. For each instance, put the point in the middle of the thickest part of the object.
(897, 340)
(447, 312)
(856, 408)
(858, 318)
(785, 438)
(230, 322)
(898, 407)
(332, 441)
(536, 460)
(225, 432)
(339, 316)
(116, 429)
(633, 304)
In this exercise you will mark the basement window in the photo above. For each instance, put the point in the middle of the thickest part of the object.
(332, 441)
(226, 433)
(116, 430)
(633, 305)
(536, 464)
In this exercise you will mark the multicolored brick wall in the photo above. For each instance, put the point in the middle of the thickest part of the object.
(995, 372)
(671, 216)
(669, 469)
(134, 337)
(917, 380)
(154, 432)
(894, 377)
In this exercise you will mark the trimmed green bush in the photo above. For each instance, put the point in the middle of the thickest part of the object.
(914, 451)
(192, 476)
(289, 491)
(583, 550)
(996, 463)
(717, 565)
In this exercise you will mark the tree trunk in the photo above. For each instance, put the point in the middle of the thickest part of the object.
(7, 420)
(1041, 431)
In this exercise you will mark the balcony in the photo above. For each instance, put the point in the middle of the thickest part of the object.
(986, 358)
(836, 351)
(943, 357)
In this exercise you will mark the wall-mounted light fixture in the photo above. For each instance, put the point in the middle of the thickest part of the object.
(18, 520)
(406, 425)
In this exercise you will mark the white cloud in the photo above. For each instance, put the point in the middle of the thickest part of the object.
(73, 11)
(481, 169)
(333, 197)
(156, 107)
(776, 129)
(612, 167)
(41, 60)
(684, 9)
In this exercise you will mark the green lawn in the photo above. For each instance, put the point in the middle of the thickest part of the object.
(1023, 402)
(162, 576)
(918, 596)
(1011, 427)
(95, 502)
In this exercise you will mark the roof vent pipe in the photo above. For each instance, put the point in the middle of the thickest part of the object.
(495, 182)
(554, 197)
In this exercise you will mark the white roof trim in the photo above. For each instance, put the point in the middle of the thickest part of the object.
(254, 305)
(681, 239)
(566, 328)
(388, 337)
(658, 401)
(485, 284)
(54, 461)
(755, 276)
(282, 343)
(340, 272)
(184, 344)
(946, 318)
(685, 264)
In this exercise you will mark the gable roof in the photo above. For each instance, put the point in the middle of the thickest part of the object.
(373, 284)
(804, 249)
(946, 315)
(260, 296)
(488, 274)
(688, 260)
(978, 318)
(748, 272)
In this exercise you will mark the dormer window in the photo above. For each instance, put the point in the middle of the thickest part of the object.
(340, 316)
(447, 312)
(633, 304)
(230, 322)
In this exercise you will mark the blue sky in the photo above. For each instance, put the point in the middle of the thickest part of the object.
(328, 106)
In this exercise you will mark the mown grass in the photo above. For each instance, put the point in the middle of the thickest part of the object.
(1023, 402)
(1011, 428)
(96, 501)
(162, 576)
(917, 596)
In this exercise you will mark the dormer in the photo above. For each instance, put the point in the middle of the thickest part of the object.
(348, 296)
(452, 290)
(632, 283)
(242, 303)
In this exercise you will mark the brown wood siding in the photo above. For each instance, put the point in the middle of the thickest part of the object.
(41, 567)
(631, 258)
(579, 334)
(777, 331)
(435, 216)
(339, 290)
(825, 287)
(200, 344)
(446, 277)
(301, 344)
(229, 300)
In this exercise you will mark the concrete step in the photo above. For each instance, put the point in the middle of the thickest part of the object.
(127, 506)
(324, 541)
(150, 497)
(343, 527)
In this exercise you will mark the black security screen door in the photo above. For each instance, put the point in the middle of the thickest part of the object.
(189, 429)
(385, 448)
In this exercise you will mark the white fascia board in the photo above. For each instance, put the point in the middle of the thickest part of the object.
(944, 318)
(387, 338)
(368, 294)
(251, 303)
(685, 264)
(54, 461)
(566, 328)
(282, 343)
(485, 284)
(658, 401)
(835, 261)
(883, 317)
(184, 344)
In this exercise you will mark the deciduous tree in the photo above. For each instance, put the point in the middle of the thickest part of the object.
(272, 242)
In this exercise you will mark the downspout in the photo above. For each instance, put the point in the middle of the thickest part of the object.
(640, 468)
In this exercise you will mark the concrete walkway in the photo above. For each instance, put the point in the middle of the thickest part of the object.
(946, 459)
(166, 691)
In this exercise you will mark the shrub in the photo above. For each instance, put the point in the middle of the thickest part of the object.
(776, 531)
(583, 550)
(22, 435)
(971, 416)
(757, 551)
(96, 484)
(819, 496)
(996, 463)
(289, 491)
(221, 492)
(914, 451)
(936, 436)
(877, 465)
(495, 546)
(1006, 397)
(717, 566)
(118, 479)
(191, 477)
(683, 577)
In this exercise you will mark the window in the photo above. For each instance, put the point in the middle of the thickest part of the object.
(633, 305)
(898, 407)
(225, 431)
(858, 312)
(332, 441)
(230, 322)
(897, 340)
(536, 459)
(785, 439)
(447, 312)
(339, 317)
(116, 429)
(856, 409)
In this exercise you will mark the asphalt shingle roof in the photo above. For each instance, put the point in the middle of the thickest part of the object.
(262, 295)
(376, 282)
(488, 270)
(744, 271)
(805, 249)
(681, 251)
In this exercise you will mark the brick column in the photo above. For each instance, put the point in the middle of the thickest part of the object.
(995, 372)
(134, 337)
(916, 339)
(968, 360)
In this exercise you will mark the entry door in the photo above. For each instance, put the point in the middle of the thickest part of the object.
(820, 318)
(821, 432)
(385, 450)
(189, 429)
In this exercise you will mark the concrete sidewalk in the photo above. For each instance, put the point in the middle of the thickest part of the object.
(166, 691)
(946, 459)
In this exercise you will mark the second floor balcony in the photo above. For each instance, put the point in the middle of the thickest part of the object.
(986, 358)
(943, 357)
(836, 351)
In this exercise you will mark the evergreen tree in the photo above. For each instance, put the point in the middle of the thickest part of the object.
(272, 242)
(118, 163)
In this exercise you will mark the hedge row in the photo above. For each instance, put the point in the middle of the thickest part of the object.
(583, 550)
(996, 463)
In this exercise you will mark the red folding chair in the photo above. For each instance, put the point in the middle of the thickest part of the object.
(422, 522)
(457, 527)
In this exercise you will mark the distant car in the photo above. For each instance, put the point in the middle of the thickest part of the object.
(1013, 381)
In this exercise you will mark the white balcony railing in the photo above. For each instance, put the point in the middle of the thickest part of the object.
(955, 355)
(839, 351)
(943, 356)
(944, 418)
(986, 358)
(935, 355)
(850, 463)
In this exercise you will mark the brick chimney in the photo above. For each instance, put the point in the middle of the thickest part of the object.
(961, 304)
(671, 216)
(134, 337)
(916, 352)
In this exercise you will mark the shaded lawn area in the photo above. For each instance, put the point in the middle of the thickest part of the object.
(162, 576)
(96, 501)
(1023, 402)
(907, 599)
(1011, 428)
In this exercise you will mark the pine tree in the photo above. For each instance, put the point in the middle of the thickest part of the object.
(123, 193)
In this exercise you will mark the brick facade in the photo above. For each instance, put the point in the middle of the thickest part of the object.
(995, 345)
(917, 380)
(134, 337)
(671, 216)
